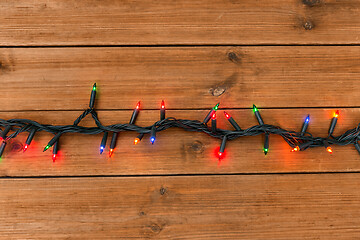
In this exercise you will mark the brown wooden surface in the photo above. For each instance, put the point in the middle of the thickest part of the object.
(304, 206)
(178, 152)
(186, 78)
(50, 22)
(290, 58)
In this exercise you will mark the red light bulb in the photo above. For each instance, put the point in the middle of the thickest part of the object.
(138, 105)
(162, 104)
(25, 147)
(213, 116)
(54, 157)
(136, 141)
(227, 115)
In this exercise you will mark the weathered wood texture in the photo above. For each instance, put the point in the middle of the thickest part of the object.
(177, 151)
(281, 196)
(51, 22)
(210, 207)
(187, 78)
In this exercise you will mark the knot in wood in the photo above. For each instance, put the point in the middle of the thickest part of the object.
(232, 56)
(311, 3)
(197, 146)
(308, 25)
(163, 190)
(216, 92)
(156, 228)
(16, 146)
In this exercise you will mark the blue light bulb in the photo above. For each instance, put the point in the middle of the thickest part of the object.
(101, 149)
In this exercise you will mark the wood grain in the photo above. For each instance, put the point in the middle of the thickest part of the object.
(186, 78)
(208, 207)
(88, 22)
(178, 152)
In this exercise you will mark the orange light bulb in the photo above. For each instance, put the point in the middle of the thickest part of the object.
(295, 149)
(111, 152)
(329, 149)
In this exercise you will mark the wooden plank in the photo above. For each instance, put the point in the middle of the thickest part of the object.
(177, 151)
(51, 22)
(187, 78)
(209, 207)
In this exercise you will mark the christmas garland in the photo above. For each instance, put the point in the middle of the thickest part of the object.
(298, 141)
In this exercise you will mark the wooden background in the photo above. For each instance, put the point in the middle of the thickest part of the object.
(291, 58)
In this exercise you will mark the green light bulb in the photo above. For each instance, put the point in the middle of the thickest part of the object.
(266, 150)
(216, 107)
(46, 148)
(254, 108)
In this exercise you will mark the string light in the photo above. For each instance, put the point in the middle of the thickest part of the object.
(213, 122)
(329, 149)
(297, 140)
(111, 151)
(153, 135)
(232, 121)
(208, 116)
(266, 144)
(135, 113)
(257, 115)
(29, 139)
(333, 122)
(222, 148)
(55, 150)
(103, 142)
(162, 110)
(138, 138)
(261, 122)
(305, 125)
(92, 97)
(113, 143)
(327, 146)
(52, 141)
(296, 149)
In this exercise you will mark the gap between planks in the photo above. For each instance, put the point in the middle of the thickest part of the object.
(180, 175)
